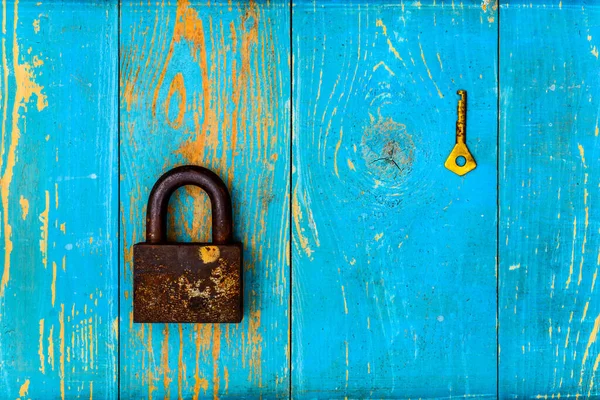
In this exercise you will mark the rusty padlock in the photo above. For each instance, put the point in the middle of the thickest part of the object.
(188, 282)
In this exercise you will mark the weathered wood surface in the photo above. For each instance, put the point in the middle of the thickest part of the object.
(209, 84)
(58, 175)
(394, 286)
(549, 191)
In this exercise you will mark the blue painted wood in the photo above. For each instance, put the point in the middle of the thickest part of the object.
(58, 190)
(208, 84)
(394, 256)
(549, 220)
(394, 286)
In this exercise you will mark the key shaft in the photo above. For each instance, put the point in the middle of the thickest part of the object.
(461, 121)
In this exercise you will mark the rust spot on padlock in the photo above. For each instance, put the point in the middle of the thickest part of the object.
(188, 282)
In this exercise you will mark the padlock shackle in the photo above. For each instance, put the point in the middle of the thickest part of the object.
(167, 184)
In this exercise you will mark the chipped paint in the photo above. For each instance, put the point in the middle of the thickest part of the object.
(39, 79)
(209, 254)
(26, 87)
(24, 389)
(44, 219)
(24, 207)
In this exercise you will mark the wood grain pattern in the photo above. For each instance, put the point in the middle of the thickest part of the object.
(394, 287)
(208, 84)
(58, 174)
(549, 187)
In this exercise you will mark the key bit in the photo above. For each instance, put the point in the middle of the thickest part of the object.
(460, 161)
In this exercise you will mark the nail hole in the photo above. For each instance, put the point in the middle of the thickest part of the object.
(460, 161)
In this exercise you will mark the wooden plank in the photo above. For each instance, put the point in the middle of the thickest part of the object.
(58, 174)
(208, 84)
(549, 243)
(394, 287)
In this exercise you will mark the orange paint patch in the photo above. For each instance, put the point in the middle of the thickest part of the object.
(53, 284)
(24, 389)
(24, 207)
(41, 348)
(25, 88)
(61, 373)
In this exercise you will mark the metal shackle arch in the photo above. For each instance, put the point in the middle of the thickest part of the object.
(209, 182)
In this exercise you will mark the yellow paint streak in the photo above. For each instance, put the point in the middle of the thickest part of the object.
(180, 365)
(378, 237)
(44, 228)
(53, 284)
(151, 386)
(24, 388)
(297, 216)
(351, 165)
(572, 253)
(25, 87)
(429, 72)
(347, 364)
(591, 341)
(51, 347)
(164, 359)
(41, 348)
(216, 349)
(585, 309)
(582, 154)
(254, 342)
(24, 207)
(392, 49)
(115, 325)
(384, 65)
(596, 363)
(91, 340)
(202, 341)
(379, 23)
(61, 335)
(595, 51)
(335, 154)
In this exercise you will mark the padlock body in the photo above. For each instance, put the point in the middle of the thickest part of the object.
(187, 282)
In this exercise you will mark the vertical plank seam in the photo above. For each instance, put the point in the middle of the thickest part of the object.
(498, 142)
(119, 199)
(290, 194)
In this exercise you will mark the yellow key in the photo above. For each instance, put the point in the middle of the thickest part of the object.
(460, 161)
